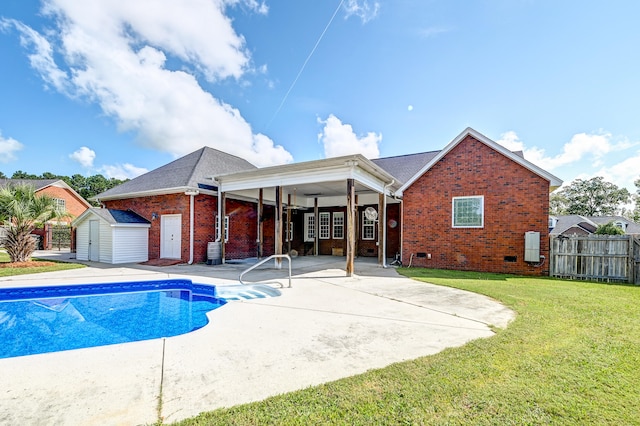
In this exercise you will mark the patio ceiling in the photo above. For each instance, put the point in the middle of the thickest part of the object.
(325, 180)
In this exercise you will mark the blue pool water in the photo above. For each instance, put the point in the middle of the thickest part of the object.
(48, 319)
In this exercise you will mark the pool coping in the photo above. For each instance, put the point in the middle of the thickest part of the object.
(328, 326)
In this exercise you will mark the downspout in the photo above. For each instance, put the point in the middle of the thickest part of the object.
(384, 226)
(191, 194)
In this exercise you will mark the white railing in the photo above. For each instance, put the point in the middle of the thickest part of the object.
(273, 256)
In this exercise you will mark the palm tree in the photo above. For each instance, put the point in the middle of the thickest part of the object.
(21, 210)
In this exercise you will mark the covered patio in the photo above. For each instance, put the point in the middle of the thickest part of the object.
(322, 197)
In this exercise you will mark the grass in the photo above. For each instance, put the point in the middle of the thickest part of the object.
(36, 265)
(571, 356)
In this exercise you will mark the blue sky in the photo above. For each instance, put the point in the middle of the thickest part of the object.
(119, 87)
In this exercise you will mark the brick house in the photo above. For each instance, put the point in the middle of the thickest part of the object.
(67, 199)
(468, 206)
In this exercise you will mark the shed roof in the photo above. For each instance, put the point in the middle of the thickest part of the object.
(114, 217)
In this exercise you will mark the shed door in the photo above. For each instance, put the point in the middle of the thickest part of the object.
(94, 240)
(171, 236)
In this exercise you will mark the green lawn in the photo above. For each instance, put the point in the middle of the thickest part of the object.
(37, 266)
(572, 356)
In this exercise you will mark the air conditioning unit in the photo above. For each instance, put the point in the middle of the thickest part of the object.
(532, 246)
(214, 253)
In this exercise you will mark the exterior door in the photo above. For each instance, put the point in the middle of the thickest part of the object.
(94, 240)
(171, 236)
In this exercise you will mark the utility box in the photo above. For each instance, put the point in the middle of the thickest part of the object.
(532, 246)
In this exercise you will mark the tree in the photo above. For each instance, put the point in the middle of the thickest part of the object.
(594, 197)
(19, 174)
(635, 215)
(609, 229)
(21, 210)
(557, 204)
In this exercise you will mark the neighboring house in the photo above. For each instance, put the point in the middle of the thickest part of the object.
(67, 200)
(469, 206)
(571, 225)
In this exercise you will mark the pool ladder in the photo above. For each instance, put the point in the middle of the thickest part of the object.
(273, 256)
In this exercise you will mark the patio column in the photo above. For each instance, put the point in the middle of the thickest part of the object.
(288, 224)
(351, 234)
(316, 233)
(278, 227)
(381, 221)
(260, 227)
(223, 228)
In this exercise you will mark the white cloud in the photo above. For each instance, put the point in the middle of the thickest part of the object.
(122, 171)
(8, 149)
(116, 54)
(581, 145)
(623, 173)
(339, 139)
(433, 31)
(42, 57)
(590, 155)
(84, 156)
(363, 9)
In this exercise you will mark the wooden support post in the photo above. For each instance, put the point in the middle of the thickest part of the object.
(278, 227)
(316, 220)
(260, 227)
(351, 234)
(381, 220)
(288, 227)
(223, 228)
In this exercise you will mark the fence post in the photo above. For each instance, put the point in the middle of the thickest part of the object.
(631, 263)
(551, 263)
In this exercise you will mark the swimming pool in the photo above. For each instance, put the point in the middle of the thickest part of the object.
(37, 320)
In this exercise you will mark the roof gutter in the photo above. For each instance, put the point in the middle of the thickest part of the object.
(191, 194)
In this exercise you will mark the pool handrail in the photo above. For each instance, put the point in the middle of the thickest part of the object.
(273, 256)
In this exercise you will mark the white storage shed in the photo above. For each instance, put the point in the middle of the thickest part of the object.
(112, 236)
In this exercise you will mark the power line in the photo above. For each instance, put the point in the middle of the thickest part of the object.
(284, 99)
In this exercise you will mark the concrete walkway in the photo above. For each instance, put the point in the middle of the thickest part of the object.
(325, 327)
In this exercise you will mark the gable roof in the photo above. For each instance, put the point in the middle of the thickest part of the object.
(554, 181)
(193, 171)
(40, 184)
(114, 217)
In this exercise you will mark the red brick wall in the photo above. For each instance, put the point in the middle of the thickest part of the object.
(242, 223)
(74, 205)
(516, 200)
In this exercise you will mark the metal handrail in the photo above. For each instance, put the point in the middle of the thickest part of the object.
(273, 256)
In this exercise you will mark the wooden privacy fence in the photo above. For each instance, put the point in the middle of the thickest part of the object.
(611, 258)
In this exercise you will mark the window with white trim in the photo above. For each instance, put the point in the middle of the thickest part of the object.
(338, 225)
(309, 227)
(368, 228)
(468, 212)
(325, 225)
(60, 205)
(226, 227)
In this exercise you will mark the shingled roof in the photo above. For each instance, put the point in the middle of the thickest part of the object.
(120, 216)
(564, 224)
(403, 167)
(37, 184)
(188, 172)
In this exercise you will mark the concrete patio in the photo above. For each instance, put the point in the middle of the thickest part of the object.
(325, 327)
